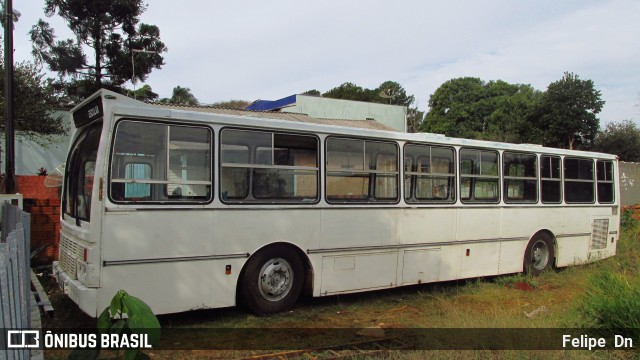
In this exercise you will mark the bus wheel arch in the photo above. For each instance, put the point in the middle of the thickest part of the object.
(540, 253)
(273, 278)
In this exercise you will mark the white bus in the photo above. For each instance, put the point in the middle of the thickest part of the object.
(200, 208)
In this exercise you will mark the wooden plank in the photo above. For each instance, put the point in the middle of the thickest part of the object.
(41, 295)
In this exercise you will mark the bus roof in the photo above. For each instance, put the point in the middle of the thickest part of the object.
(301, 122)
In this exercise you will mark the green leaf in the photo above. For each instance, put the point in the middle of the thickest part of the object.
(141, 319)
(104, 321)
(84, 354)
(117, 327)
(116, 303)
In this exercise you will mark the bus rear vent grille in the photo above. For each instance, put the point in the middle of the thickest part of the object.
(70, 252)
(599, 234)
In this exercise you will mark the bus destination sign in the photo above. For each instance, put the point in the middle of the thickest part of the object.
(88, 113)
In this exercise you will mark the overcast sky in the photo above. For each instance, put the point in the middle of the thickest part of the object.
(258, 49)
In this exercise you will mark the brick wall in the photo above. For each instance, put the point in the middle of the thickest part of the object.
(44, 206)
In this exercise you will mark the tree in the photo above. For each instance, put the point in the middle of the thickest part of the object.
(394, 94)
(470, 108)
(143, 94)
(312, 92)
(389, 92)
(567, 112)
(111, 29)
(232, 104)
(415, 118)
(511, 109)
(181, 96)
(34, 102)
(34, 99)
(349, 91)
(622, 139)
(452, 108)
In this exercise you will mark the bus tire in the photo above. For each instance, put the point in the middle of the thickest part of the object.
(272, 280)
(540, 254)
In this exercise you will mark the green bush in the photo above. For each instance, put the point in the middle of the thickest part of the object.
(612, 303)
(627, 221)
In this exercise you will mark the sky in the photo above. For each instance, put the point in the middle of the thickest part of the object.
(256, 49)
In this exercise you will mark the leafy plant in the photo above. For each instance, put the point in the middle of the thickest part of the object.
(612, 303)
(125, 315)
(626, 219)
(43, 171)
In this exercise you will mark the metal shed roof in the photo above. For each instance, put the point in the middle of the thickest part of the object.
(362, 124)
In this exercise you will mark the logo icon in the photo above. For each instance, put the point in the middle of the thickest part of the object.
(20, 339)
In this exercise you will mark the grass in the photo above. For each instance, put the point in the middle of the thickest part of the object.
(605, 294)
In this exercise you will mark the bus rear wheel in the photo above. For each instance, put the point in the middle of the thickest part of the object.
(540, 254)
(272, 280)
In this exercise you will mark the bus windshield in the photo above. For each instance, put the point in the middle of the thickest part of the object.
(79, 174)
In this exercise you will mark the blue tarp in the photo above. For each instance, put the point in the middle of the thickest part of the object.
(270, 105)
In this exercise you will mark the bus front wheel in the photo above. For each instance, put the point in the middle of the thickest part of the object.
(272, 280)
(540, 254)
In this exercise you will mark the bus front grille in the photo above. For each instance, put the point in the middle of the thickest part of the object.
(70, 252)
(599, 234)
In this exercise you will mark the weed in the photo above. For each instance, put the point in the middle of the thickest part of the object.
(612, 298)
(627, 221)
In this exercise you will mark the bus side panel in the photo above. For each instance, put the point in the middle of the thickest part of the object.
(135, 235)
(518, 225)
(481, 223)
(573, 238)
(242, 231)
(148, 254)
(427, 225)
(174, 286)
(362, 227)
(572, 250)
(357, 272)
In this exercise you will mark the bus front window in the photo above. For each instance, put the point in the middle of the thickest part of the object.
(79, 174)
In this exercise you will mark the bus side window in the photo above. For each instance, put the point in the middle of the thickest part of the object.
(260, 166)
(520, 177)
(479, 176)
(551, 181)
(605, 181)
(361, 170)
(578, 181)
(155, 162)
(432, 176)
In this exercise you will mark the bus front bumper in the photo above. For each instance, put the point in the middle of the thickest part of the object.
(86, 298)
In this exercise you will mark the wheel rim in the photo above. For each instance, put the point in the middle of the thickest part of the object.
(540, 255)
(275, 279)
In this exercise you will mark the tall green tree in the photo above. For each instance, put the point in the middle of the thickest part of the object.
(415, 118)
(453, 108)
(312, 92)
(350, 91)
(181, 96)
(144, 93)
(471, 108)
(389, 92)
(34, 99)
(622, 139)
(34, 103)
(393, 93)
(567, 112)
(112, 31)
